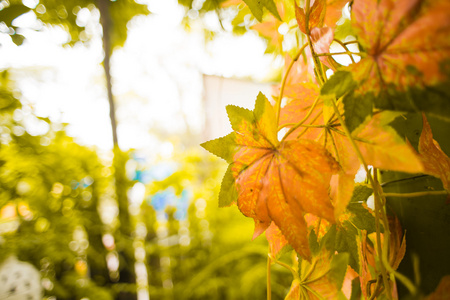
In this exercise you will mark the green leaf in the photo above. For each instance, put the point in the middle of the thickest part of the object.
(361, 193)
(362, 218)
(237, 115)
(265, 117)
(17, 39)
(228, 193)
(13, 11)
(338, 85)
(356, 289)
(432, 100)
(357, 110)
(313, 244)
(270, 5)
(346, 242)
(224, 147)
(339, 268)
(256, 7)
(329, 239)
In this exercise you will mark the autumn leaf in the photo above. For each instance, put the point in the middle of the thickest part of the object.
(269, 28)
(334, 12)
(405, 64)
(370, 260)
(380, 147)
(257, 7)
(378, 143)
(320, 279)
(322, 12)
(302, 97)
(275, 181)
(316, 15)
(435, 161)
(276, 239)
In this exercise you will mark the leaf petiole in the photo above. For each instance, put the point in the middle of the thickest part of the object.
(283, 82)
(416, 194)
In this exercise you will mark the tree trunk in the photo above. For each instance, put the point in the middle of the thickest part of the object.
(123, 236)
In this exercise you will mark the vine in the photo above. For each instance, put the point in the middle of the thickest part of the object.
(301, 190)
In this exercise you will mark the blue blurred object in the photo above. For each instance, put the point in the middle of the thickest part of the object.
(165, 198)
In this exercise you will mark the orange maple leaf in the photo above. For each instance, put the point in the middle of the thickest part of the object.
(406, 42)
(279, 182)
(379, 144)
(435, 161)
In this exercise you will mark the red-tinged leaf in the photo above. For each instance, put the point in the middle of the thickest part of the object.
(435, 161)
(442, 291)
(316, 15)
(397, 243)
(279, 182)
(407, 45)
(276, 239)
(322, 39)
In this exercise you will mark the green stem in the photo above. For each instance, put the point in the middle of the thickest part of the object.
(345, 48)
(302, 125)
(339, 53)
(334, 146)
(310, 123)
(374, 187)
(381, 252)
(402, 278)
(283, 82)
(294, 273)
(317, 63)
(303, 120)
(416, 194)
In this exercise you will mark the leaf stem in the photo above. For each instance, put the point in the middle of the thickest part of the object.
(350, 42)
(318, 65)
(416, 194)
(345, 48)
(380, 211)
(283, 82)
(376, 194)
(340, 53)
(303, 120)
(294, 273)
(402, 278)
(334, 146)
(302, 125)
(310, 123)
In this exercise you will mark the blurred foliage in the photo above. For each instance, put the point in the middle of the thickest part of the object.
(52, 205)
(67, 15)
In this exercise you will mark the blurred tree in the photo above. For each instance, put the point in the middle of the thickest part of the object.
(114, 17)
(50, 189)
